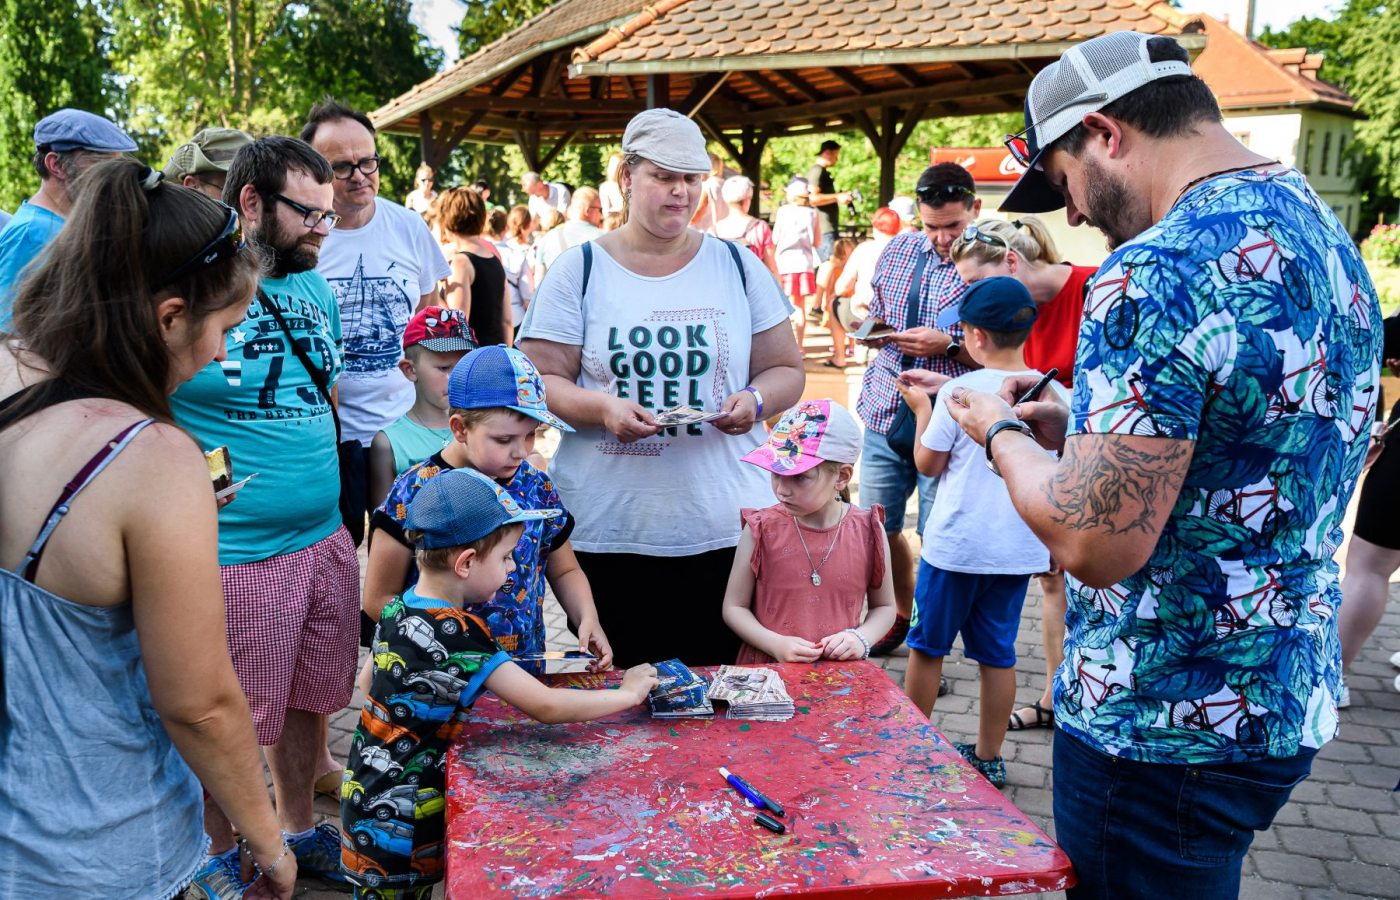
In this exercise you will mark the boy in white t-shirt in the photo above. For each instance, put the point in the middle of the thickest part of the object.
(978, 554)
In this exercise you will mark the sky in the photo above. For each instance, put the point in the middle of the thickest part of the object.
(437, 18)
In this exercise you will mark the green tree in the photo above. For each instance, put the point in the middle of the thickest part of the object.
(47, 62)
(487, 20)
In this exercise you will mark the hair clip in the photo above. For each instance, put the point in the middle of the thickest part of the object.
(149, 178)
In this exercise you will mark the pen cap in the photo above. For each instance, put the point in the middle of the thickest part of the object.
(770, 823)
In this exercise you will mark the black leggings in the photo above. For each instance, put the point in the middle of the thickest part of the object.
(1376, 518)
(654, 608)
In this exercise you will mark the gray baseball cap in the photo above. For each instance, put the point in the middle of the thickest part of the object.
(1086, 78)
(74, 129)
(668, 139)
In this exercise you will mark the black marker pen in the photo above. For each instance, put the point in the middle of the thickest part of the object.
(1039, 386)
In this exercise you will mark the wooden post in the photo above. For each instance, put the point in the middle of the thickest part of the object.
(658, 90)
(888, 152)
(751, 157)
(426, 152)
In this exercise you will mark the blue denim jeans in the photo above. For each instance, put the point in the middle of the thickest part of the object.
(888, 480)
(826, 245)
(1165, 832)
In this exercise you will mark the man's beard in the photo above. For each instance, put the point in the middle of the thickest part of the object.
(288, 255)
(1110, 206)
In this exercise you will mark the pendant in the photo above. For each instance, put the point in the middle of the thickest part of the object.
(816, 580)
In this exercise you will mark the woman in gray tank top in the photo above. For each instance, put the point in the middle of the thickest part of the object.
(117, 695)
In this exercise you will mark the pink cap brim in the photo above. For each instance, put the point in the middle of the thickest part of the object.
(763, 458)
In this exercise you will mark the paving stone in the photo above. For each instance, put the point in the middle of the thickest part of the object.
(1315, 842)
(1332, 818)
(1377, 850)
(1252, 887)
(1265, 840)
(1309, 792)
(1351, 796)
(1327, 770)
(1377, 776)
(1361, 878)
(1341, 751)
(1365, 734)
(1291, 868)
(1389, 826)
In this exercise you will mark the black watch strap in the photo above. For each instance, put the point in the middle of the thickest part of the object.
(953, 350)
(998, 428)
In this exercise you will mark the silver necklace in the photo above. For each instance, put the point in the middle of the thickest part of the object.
(817, 579)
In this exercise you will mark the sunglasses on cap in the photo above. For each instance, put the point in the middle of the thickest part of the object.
(226, 246)
(1017, 145)
(944, 194)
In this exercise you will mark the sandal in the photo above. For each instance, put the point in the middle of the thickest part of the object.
(328, 785)
(831, 365)
(1044, 718)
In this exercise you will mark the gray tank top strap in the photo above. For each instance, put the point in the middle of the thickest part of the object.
(29, 566)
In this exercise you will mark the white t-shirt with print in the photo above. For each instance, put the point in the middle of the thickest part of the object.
(378, 273)
(558, 198)
(973, 527)
(683, 339)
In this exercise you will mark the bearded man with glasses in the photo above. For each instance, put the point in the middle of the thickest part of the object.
(383, 265)
(914, 281)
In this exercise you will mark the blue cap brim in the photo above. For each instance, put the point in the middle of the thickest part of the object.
(948, 318)
(1032, 192)
(545, 416)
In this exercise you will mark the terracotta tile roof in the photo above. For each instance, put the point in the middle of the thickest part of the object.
(579, 19)
(734, 29)
(1245, 74)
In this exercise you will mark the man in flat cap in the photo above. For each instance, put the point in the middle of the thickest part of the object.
(203, 163)
(66, 143)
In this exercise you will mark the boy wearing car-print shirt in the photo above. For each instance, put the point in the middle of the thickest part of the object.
(433, 662)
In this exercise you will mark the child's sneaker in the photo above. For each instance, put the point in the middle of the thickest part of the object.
(318, 854)
(218, 880)
(1345, 699)
(893, 638)
(994, 770)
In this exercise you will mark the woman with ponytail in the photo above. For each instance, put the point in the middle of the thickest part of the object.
(1024, 250)
(117, 695)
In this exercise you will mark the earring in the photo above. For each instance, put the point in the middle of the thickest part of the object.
(629, 193)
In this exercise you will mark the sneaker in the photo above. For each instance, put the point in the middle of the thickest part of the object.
(1397, 682)
(994, 770)
(893, 638)
(319, 854)
(218, 880)
(943, 688)
(1395, 659)
(1345, 699)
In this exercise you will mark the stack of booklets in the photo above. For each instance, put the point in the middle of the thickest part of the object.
(757, 694)
(679, 693)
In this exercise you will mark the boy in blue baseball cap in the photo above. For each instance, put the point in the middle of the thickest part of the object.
(436, 659)
(495, 401)
(978, 555)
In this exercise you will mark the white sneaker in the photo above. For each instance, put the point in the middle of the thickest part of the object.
(1397, 682)
(1395, 659)
(1345, 700)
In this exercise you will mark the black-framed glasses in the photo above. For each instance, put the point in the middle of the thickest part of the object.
(944, 194)
(226, 246)
(973, 233)
(310, 217)
(1017, 145)
(343, 170)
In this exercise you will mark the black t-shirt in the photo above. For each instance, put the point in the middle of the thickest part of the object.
(820, 180)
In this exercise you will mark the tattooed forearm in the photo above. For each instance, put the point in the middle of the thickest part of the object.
(1119, 483)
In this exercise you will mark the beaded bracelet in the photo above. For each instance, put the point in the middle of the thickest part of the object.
(243, 842)
(863, 642)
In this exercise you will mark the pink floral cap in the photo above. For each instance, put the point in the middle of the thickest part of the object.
(812, 432)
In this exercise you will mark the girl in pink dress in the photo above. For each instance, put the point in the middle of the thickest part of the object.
(806, 566)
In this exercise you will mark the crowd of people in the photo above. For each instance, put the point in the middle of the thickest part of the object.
(381, 369)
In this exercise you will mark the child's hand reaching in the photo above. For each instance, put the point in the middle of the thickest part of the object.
(842, 645)
(639, 680)
(790, 649)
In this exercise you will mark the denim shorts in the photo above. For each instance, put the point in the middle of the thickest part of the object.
(890, 481)
(986, 609)
(1170, 832)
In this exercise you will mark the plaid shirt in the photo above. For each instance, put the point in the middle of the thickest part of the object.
(942, 288)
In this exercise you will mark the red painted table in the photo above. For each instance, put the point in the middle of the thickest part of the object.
(878, 804)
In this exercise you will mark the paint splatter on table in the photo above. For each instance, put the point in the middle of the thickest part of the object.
(878, 803)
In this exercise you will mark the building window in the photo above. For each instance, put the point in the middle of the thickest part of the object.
(1307, 153)
(1342, 155)
(1242, 137)
(1326, 151)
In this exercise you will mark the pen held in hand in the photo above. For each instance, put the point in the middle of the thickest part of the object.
(1039, 386)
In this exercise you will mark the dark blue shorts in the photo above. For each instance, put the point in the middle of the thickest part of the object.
(985, 608)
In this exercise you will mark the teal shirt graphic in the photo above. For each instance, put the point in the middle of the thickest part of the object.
(261, 403)
(22, 242)
(1244, 321)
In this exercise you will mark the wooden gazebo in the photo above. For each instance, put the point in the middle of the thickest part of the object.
(751, 70)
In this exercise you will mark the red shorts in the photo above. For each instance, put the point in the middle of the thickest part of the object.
(293, 626)
(803, 284)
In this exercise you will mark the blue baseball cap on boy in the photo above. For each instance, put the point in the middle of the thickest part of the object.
(996, 304)
(463, 505)
(500, 376)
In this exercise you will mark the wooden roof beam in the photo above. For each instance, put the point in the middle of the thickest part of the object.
(849, 79)
(768, 87)
(704, 89)
(907, 75)
(544, 104)
(989, 87)
(799, 84)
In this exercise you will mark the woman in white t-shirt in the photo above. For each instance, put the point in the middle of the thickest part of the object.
(518, 257)
(649, 316)
(795, 233)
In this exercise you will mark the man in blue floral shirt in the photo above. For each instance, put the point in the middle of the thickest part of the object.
(1227, 378)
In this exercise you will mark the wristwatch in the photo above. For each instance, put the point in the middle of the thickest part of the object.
(998, 428)
(953, 350)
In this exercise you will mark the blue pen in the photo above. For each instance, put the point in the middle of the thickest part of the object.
(742, 787)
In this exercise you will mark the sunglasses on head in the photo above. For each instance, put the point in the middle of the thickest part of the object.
(226, 246)
(944, 194)
(973, 233)
(1017, 145)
